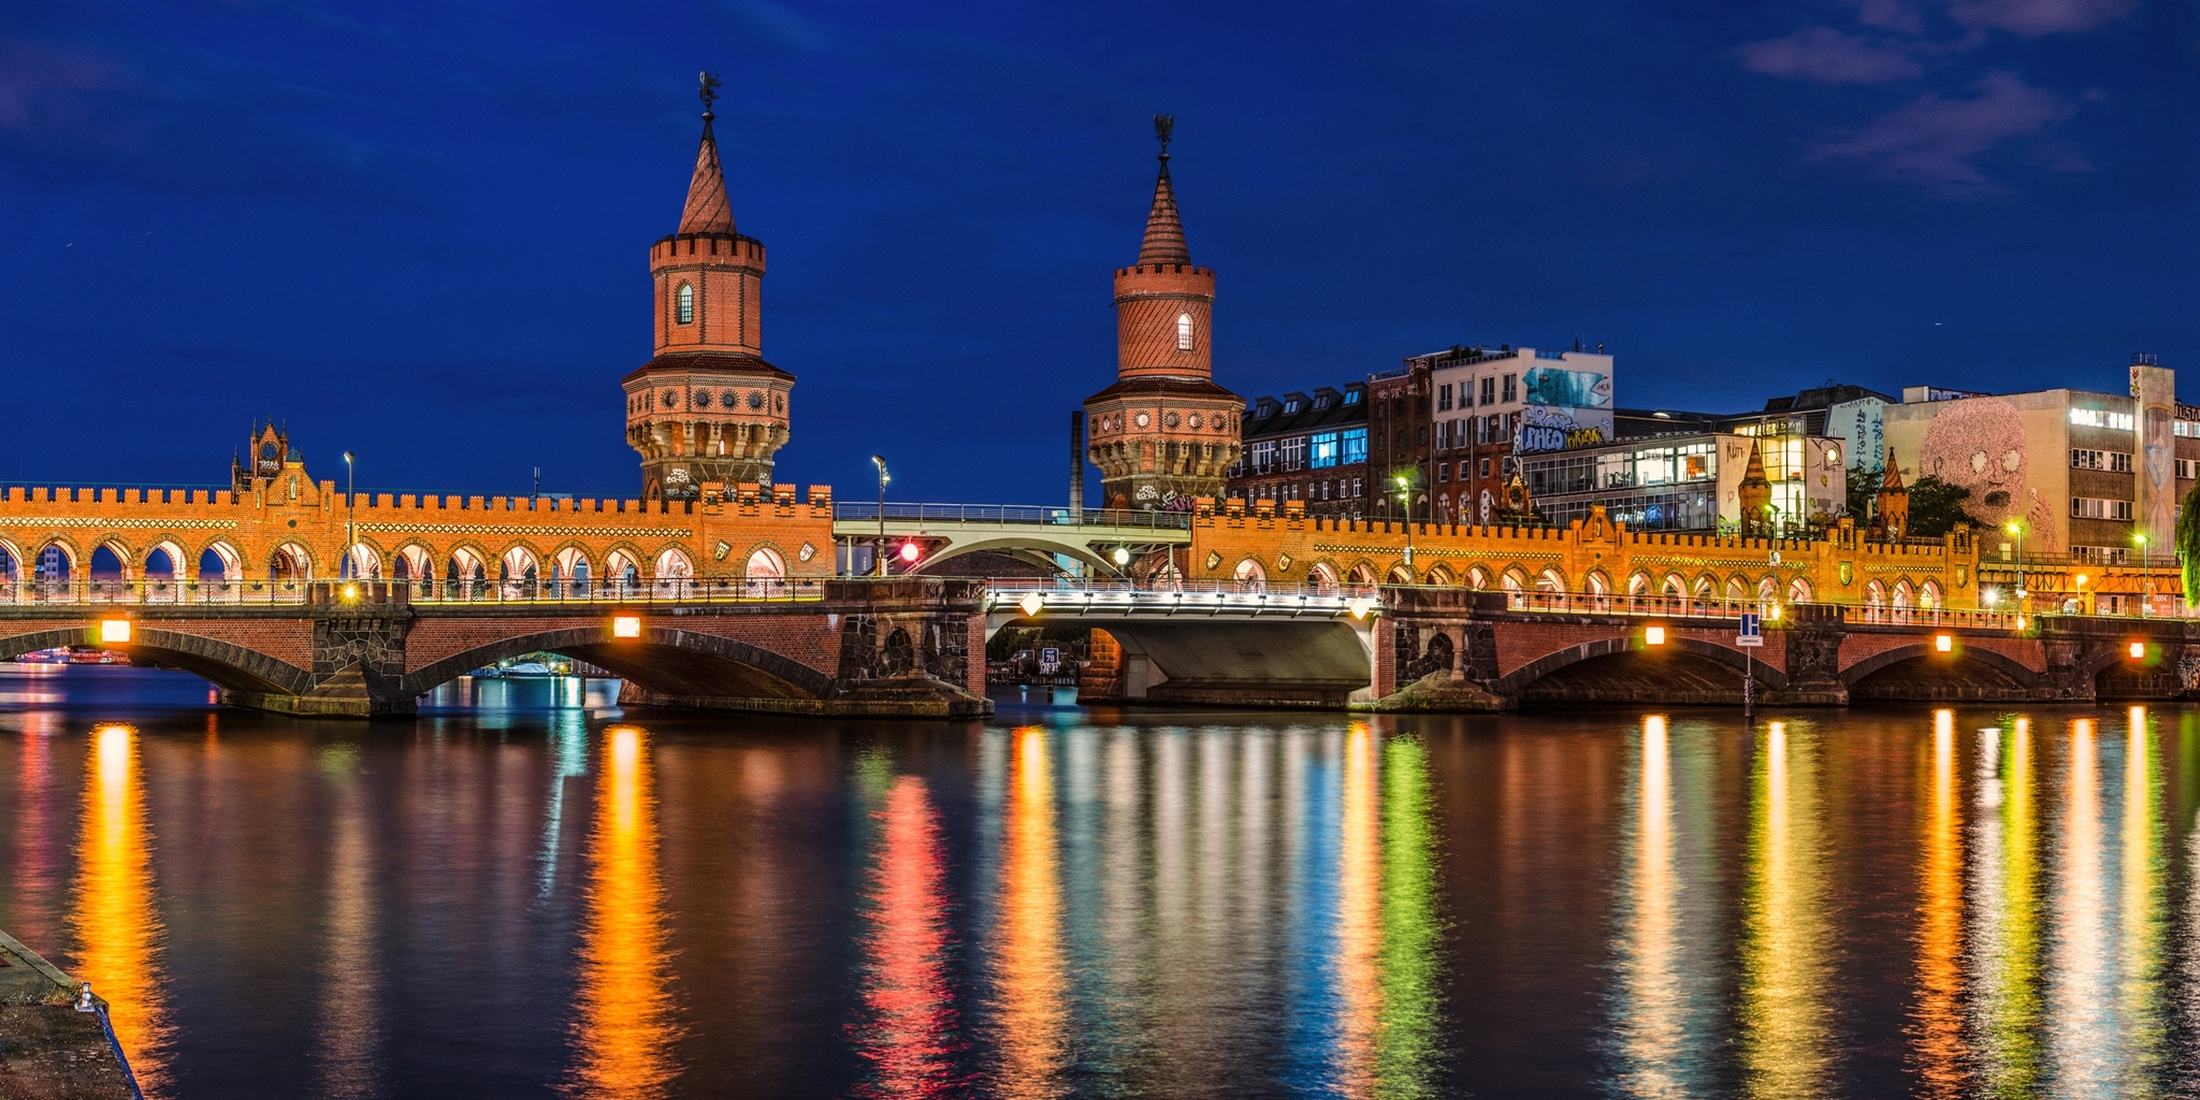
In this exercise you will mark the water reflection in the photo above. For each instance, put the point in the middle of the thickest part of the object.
(909, 1033)
(1785, 1030)
(2005, 947)
(624, 1028)
(116, 921)
(1943, 1064)
(350, 1010)
(1657, 1029)
(1030, 987)
(1966, 903)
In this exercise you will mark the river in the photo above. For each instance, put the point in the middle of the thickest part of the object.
(525, 892)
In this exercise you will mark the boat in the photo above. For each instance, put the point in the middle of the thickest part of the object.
(531, 669)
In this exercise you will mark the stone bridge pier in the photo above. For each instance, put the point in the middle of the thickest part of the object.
(901, 647)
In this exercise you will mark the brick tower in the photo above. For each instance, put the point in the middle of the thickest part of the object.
(1164, 433)
(706, 409)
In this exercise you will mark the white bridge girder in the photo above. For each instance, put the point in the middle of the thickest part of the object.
(1091, 544)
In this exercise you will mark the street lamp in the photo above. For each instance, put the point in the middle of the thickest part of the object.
(1405, 504)
(879, 551)
(2146, 567)
(351, 528)
(2017, 529)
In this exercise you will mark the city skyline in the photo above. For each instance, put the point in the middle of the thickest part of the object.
(340, 225)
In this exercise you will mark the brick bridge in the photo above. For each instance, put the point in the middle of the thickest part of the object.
(1447, 650)
(912, 646)
(903, 647)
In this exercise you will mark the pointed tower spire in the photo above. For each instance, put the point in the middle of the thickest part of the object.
(1164, 243)
(707, 209)
(1754, 494)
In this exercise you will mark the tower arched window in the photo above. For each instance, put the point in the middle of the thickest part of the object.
(1183, 332)
(683, 306)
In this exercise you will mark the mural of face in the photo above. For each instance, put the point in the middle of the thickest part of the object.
(1978, 443)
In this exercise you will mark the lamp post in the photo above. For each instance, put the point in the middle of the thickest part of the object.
(2017, 529)
(351, 527)
(879, 551)
(2146, 570)
(1405, 504)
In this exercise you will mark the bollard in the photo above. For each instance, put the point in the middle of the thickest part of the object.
(84, 1002)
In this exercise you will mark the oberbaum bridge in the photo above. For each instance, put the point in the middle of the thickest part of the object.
(718, 588)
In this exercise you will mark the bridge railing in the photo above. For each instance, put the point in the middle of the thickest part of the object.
(1605, 603)
(1228, 588)
(233, 593)
(1013, 514)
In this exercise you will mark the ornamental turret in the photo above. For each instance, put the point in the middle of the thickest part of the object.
(1891, 505)
(706, 408)
(1164, 433)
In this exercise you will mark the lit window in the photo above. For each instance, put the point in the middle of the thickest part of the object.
(1183, 332)
(683, 309)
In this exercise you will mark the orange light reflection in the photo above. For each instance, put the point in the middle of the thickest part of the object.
(1940, 1046)
(116, 925)
(1028, 975)
(624, 1029)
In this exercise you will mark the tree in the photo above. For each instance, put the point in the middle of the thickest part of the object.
(1936, 507)
(1863, 487)
(2188, 542)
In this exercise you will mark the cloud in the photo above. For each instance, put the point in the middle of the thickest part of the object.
(2032, 18)
(1936, 143)
(1827, 56)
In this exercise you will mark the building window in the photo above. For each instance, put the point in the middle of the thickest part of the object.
(1290, 407)
(1351, 397)
(1323, 450)
(1512, 387)
(1443, 471)
(1263, 455)
(1355, 446)
(2117, 462)
(2097, 508)
(1183, 332)
(1443, 398)
(1294, 453)
(683, 309)
(1489, 390)
(1485, 467)
(1359, 487)
(2188, 468)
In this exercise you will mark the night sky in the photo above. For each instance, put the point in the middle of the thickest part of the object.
(420, 232)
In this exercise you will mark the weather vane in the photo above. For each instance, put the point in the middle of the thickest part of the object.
(1163, 126)
(709, 93)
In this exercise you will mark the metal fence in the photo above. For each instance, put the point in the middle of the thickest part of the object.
(855, 511)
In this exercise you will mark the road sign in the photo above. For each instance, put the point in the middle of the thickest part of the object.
(1750, 636)
(1050, 660)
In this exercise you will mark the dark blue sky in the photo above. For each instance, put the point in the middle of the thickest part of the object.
(420, 232)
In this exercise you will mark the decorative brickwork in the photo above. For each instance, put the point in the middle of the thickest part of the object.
(707, 411)
(1165, 433)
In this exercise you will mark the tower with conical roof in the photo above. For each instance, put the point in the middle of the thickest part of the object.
(1891, 505)
(706, 408)
(1755, 495)
(1164, 433)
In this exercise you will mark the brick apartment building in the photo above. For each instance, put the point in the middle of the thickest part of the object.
(1309, 448)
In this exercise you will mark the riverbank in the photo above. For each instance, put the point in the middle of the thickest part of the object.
(48, 1049)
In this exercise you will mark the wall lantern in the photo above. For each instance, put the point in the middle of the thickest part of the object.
(1653, 635)
(626, 626)
(2138, 651)
(114, 630)
(1944, 643)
